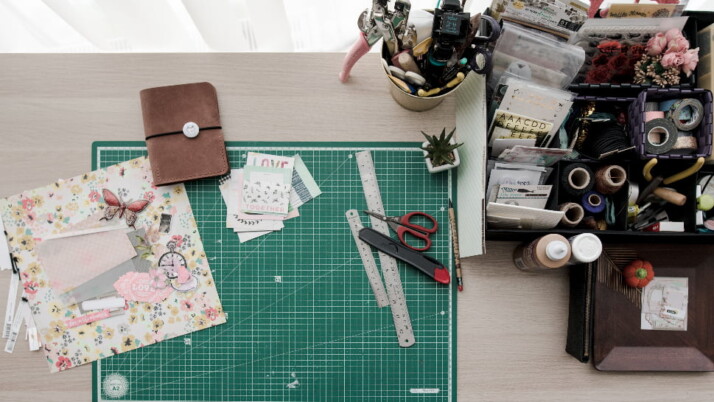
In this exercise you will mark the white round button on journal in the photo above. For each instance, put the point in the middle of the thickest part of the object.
(190, 129)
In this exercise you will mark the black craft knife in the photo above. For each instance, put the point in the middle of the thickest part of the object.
(422, 262)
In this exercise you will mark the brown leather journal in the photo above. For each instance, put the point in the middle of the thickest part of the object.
(183, 132)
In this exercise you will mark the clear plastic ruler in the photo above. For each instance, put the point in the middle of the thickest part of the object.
(370, 265)
(400, 312)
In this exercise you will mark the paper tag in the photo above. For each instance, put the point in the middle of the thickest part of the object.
(10, 309)
(31, 334)
(16, 323)
(87, 318)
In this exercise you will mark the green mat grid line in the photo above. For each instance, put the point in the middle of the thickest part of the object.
(318, 324)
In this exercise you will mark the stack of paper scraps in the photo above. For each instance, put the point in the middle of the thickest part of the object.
(265, 192)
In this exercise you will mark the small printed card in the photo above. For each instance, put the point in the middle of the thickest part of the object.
(266, 190)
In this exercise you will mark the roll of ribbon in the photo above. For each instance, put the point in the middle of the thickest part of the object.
(633, 192)
(593, 202)
(653, 115)
(686, 142)
(610, 179)
(577, 179)
(686, 113)
(660, 136)
(651, 106)
(574, 213)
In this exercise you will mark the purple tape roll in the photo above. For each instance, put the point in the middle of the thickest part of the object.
(593, 202)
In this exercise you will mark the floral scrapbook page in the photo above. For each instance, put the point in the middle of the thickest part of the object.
(110, 263)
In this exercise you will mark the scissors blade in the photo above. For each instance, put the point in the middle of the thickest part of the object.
(376, 215)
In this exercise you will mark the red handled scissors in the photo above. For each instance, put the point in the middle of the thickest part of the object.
(403, 225)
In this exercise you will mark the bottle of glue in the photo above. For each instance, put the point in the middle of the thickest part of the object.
(585, 248)
(547, 252)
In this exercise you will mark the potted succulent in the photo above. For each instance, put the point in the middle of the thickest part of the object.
(440, 152)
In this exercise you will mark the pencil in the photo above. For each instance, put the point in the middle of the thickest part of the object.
(455, 241)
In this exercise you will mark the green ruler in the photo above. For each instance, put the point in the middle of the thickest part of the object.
(303, 323)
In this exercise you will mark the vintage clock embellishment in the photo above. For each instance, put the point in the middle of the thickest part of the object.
(173, 264)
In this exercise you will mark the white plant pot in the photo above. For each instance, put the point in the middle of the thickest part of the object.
(441, 168)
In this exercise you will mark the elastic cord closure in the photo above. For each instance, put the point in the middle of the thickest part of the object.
(181, 132)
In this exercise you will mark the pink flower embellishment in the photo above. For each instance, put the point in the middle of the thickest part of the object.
(94, 196)
(158, 279)
(212, 313)
(186, 305)
(690, 60)
(657, 44)
(678, 45)
(149, 195)
(30, 287)
(27, 204)
(672, 34)
(178, 239)
(63, 363)
(672, 60)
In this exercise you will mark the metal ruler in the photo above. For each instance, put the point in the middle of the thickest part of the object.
(370, 266)
(400, 312)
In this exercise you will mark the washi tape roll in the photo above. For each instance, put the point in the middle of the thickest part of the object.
(633, 193)
(593, 202)
(651, 106)
(574, 213)
(610, 179)
(660, 136)
(666, 105)
(686, 113)
(577, 179)
(686, 142)
(653, 115)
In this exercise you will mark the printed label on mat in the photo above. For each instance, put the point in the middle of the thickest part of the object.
(115, 386)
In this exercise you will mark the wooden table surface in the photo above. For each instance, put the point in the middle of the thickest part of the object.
(511, 325)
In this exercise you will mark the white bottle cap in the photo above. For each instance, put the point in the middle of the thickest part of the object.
(556, 250)
(586, 248)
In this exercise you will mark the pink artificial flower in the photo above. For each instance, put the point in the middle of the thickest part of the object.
(689, 61)
(678, 45)
(672, 60)
(673, 34)
(657, 44)
(149, 196)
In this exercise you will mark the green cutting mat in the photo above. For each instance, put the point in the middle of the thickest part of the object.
(303, 324)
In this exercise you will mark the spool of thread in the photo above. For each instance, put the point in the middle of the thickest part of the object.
(633, 193)
(610, 179)
(585, 248)
(651, 106)
(653, 115)
(660, 137)
(574, 214)
(686, 113)
(593, 202)
(548, 252)
(577, 179)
